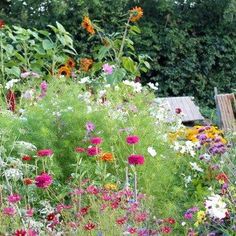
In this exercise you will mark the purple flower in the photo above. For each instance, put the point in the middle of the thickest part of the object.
(107, 69)
(90, 126)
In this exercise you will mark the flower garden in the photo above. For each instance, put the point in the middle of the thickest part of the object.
(87, 150)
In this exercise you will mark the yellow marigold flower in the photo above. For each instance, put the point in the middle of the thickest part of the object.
(87, 25)
(135, 14)
(70, 63)
(85, 64)
(110, 186)
(107, 156)
(64, 71)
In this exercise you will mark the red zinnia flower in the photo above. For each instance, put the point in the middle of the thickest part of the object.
(27, 181)
(93, 151)
(20, 232)
(96, 140)
(170, 220)
(132, 139)
(84, 211)
(89, 226)
(136, 159)
(11, 101)
(121, 220)
(45, 153)
(166, 230)
(51, 217)
(26, 158)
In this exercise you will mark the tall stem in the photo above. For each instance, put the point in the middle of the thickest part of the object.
(123, 41)
(135, 186)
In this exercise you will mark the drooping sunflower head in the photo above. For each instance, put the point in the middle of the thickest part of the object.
(135, 14)
(87, 25)
(64, 71)
(85, 64)
(70, 63)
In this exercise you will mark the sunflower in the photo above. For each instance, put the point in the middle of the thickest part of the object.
(85, 64)
(64, 71)
(70, 63)
(135, 14)
(87, 24)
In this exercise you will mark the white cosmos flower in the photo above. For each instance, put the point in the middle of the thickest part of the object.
(153, 86)
(10, 83)
(136, 86)
(195, 166)
(13, 173)
(215, 206)
(84, 80)
(152, 151)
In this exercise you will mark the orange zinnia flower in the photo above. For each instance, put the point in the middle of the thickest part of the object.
(27, 181)
(65, 71)
(107, 156)
(135, 14)
(70, 63)
(2, 23)
(85, 64)
(87, 24)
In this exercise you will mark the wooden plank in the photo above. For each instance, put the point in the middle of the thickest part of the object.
(227, 117)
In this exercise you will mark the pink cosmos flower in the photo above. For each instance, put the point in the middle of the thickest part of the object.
(43, 181)
(132, 139)
(90, 126)
(45, 153)
(96, 140)
(10, 211)
(135, 159)
(14, 198)
(107, 69)
(93, 151)
(31, 232)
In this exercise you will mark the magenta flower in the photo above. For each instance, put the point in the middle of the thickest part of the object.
(96, 140)
(10, 211)
(45, 153)
(92, 189)
(20, 232)
(136, 159)
(132, 139)
(29, 212)
(90, 126)
(31, 232)
(14, 198)
(43, 181)
(93, 151)
(107, 69)
(79, 149)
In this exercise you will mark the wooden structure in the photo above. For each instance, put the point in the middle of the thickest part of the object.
(226, 109)
(190, 112)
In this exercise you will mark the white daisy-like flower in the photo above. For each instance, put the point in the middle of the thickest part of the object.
(153, 86)
(11, 83)
(215, 206)
(195, 166)
(152, 151)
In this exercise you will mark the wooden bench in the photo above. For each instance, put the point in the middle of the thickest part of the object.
(226, 109)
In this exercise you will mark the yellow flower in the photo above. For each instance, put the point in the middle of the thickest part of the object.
(135, 14)
(201, 216)
(110, 186)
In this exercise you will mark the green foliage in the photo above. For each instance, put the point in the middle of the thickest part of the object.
(192, 43)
